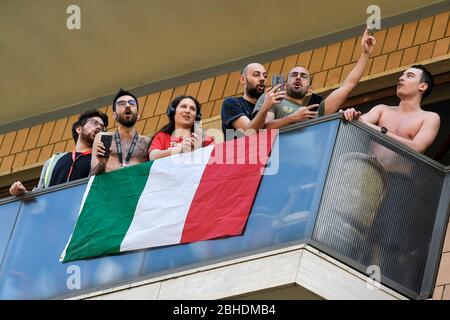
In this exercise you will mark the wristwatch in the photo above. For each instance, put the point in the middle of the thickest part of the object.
(384, 130)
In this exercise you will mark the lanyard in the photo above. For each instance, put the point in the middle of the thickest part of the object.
(74, 159)
(119, 148)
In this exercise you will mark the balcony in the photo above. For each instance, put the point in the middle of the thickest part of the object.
(341, 189)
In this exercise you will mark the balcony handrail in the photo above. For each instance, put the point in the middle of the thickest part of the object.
(397, 145)
(390, 141)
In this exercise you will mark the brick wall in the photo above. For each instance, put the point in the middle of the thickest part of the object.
(442, 290)
(397, 46)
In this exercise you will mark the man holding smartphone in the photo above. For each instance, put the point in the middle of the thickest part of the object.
(236, 114)
(70, 166)
(127, 147)
(292, 108)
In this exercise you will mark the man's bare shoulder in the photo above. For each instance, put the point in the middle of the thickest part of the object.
(143, 142)
(432, 117)
(143, 139)
(384, 107)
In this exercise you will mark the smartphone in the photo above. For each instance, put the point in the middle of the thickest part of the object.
(198, 129)
(106, 139)
(314, 99)
(278, 79)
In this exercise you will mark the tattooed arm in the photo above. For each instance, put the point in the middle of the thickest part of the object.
(141, 152)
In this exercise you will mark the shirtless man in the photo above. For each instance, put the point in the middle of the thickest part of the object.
(128, 147)
(393, 222)
(407, 122)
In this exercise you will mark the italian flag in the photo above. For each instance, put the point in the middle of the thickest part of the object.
(188, 197)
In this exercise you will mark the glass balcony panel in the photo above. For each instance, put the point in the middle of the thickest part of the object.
(8, 215)
(284, 209)
(379, 206)
(31, 269)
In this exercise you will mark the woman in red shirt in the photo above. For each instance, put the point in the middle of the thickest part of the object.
(178, 136)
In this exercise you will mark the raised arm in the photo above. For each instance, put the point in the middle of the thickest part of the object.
(335, 99)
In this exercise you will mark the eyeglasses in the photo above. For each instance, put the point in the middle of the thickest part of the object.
(97, 124)
(123, 103)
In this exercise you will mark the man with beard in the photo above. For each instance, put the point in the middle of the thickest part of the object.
(127, 147)
(237, 112)
(298, 85)
(70, 166)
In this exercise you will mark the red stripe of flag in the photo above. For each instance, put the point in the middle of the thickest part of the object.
(224, 198)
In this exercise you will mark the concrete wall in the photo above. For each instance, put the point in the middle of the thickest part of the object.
(296, 272)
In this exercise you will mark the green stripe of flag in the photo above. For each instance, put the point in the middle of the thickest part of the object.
(108, 212)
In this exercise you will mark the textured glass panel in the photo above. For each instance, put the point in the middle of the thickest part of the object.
(379, 206)
(32, 270)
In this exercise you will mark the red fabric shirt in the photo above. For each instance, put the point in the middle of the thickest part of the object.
(164, 141)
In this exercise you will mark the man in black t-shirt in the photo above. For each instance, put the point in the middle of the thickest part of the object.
(237, 112)
(70, 166)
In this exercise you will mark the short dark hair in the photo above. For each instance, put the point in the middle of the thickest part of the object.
(122, 93)
(426, 77)
(244, 69)
(84, 117)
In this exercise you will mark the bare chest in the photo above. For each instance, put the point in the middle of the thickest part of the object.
(137, 154)
(403, 125)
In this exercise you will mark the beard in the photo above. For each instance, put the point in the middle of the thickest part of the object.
(87, 137)
(254, 92)
(127, 122)
(296, 94)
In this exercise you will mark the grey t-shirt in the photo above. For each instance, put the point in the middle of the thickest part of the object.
(284, 108)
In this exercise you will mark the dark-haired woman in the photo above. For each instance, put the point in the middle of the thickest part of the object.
(178, 135)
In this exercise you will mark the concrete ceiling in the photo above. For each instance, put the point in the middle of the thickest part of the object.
(46, 67)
